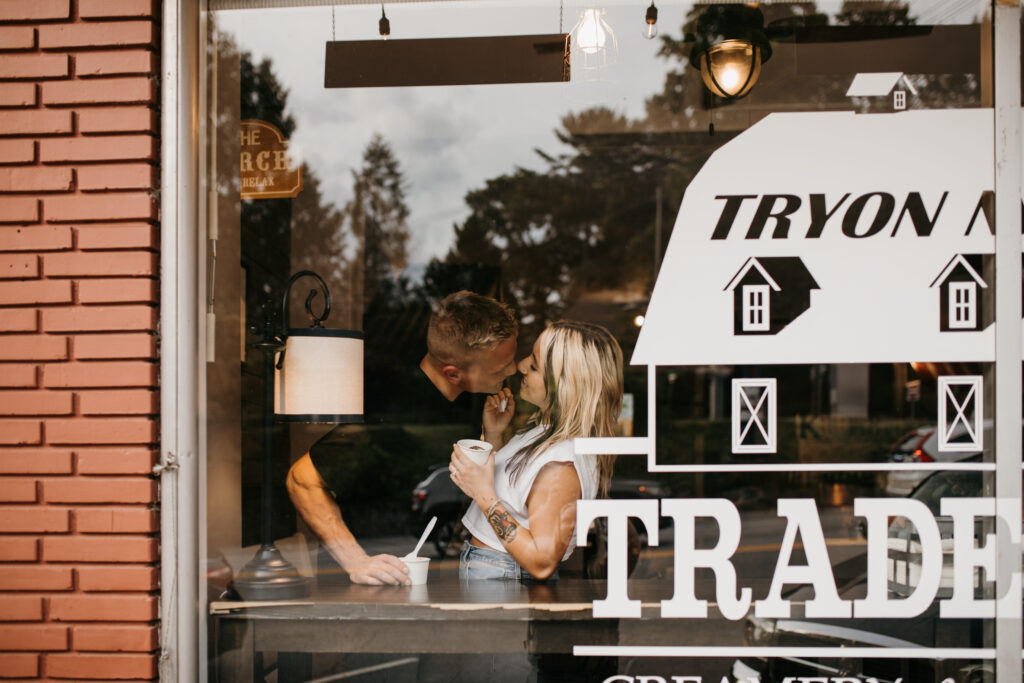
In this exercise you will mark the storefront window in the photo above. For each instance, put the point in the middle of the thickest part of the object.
(800, 279)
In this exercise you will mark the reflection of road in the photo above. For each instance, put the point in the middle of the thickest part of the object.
(755, 563)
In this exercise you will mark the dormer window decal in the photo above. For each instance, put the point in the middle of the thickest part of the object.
(962, 294)
(769, 292)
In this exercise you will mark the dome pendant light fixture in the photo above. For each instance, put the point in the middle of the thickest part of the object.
(730, 47)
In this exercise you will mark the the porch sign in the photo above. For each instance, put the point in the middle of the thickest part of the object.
(832, 238)
(267, 171)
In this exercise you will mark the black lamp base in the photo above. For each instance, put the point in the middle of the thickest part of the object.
(268, 576)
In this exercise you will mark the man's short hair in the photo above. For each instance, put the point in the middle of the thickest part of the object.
(466, 322)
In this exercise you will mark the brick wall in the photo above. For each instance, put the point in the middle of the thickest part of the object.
(78, 345)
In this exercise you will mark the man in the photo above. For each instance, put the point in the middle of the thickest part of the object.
(471, 348)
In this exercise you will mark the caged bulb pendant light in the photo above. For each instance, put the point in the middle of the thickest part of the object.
(594, 41)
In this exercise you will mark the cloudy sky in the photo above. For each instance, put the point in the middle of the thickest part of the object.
(451, 139)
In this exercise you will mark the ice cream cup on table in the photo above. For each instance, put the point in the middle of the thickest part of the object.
(476, 450)
(417, 569)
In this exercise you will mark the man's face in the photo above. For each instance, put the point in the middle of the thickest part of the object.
(486, 371)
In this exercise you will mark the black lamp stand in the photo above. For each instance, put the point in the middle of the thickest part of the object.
(268, 575)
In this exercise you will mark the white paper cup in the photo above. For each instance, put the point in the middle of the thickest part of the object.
(417, 569)
(475, 449)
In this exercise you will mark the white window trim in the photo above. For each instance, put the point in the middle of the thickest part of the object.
(956, 306)
(748, 307)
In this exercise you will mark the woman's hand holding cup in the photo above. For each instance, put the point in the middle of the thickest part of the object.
(468, 473)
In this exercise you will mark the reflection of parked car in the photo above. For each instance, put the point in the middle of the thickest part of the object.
(925, 630)
(437, 495)
(922, 445)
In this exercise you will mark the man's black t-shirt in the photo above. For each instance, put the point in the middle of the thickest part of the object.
(350, 457)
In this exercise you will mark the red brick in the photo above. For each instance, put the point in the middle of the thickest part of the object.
(35, 292)
(115, 63)
(104, 148)
(99, 489)
(105, 548)
(34, 578)
(18, 665)
(19, 210)
(19, 266)
(117, 402)
(16, 376)
(92, 666)
(121, 290)
(117, 120)
(17, 94)
(123, 206)
(28, 10)
(17, 151)
(36, 403)
(18, 433)
(100, 374)
(127, 430)
(39, 638)
(98, 34)
(35, 179)
(33, 347)
(123, 9)
(99, 264)
(119, 520)
(139, 638)
(17, 38)
(24, 519)
(35, 66)
(21, 608)
(98, 318)
(115, 460)
(35, 122)
(125, 90)
(111, 346)
(17, 549)
(16, 489)
(42, 238)
(102, 607)
(118, 236)
(21, 461)
(117, 578)
(117, 177)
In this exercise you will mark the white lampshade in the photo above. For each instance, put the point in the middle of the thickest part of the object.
(321, 379)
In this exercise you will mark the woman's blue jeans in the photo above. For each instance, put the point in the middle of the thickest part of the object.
(484, 563)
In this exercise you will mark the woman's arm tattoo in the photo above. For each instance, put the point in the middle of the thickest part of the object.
(503, 524)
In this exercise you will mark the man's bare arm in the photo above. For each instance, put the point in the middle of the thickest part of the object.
(320, 511)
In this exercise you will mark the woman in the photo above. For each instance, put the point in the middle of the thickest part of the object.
(524, 514)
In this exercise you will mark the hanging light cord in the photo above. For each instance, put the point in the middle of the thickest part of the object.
(333, 37)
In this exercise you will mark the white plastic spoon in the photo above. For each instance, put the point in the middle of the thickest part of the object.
(423, 538)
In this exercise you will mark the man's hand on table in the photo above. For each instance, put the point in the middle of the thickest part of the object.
(377, 570)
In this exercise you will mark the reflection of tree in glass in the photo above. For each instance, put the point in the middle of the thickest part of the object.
(378, 214)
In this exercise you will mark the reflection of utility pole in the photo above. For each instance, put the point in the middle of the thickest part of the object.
(657, 230)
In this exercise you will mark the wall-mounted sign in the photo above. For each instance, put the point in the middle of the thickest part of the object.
(866, 242)
(266, 169)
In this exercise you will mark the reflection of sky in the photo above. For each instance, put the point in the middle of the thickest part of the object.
(450, 140)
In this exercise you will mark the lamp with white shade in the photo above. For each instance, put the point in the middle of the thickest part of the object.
(311, 374)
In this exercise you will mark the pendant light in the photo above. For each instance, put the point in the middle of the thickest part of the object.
(730, 47)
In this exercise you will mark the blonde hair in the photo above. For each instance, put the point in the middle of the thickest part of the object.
(583, 380)
(465, 323)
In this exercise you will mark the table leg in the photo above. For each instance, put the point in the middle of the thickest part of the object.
(234, 651)
(294, 667)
